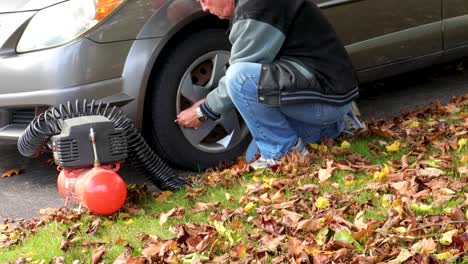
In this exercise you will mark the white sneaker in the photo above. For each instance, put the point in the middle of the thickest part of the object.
(300, 147)
(263, 163)
(353, 121)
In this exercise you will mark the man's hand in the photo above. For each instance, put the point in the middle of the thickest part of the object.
(188, 117)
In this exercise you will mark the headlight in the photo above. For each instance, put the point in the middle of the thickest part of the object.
(61, 23)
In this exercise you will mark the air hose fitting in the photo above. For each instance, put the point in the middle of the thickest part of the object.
(140, 155)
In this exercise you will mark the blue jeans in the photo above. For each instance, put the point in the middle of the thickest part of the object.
(275, 129)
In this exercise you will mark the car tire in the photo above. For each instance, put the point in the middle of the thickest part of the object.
(167, 98)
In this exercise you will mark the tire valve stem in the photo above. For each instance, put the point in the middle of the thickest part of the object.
(92, 137)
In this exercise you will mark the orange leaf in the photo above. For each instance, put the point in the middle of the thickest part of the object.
(12, 172)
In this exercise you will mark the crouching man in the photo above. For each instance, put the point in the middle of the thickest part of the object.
(289, 77)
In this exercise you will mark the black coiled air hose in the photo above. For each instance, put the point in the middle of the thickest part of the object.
(140, 155)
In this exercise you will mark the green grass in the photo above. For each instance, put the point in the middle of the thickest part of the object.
(116, 232)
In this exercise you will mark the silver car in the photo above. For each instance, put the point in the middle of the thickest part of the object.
(154, 58)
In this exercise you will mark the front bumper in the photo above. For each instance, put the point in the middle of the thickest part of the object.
(36, 80)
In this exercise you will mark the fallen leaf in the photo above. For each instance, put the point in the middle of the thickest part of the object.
(58, 260)
(249, 207)
(446, 238)
(163, 196)
(194, 258)
(123, 258)
(321, 236)
(97, 255)
(309, 225)
(359, 221)
(395, 147)
(380, 175)
(325, 174)
(229, 197)
(93, 226)
(444, 256)
(462, 143)
(165, 216)
(322, 203)
(12, 172)
(402, 257)
(431, 172)
(202, 207)
(424, 247)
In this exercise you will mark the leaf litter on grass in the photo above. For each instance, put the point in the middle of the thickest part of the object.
(394, 194)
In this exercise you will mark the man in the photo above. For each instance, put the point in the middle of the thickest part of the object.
(289, 77)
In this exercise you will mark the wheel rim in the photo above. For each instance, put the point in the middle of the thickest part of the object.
(200, 78)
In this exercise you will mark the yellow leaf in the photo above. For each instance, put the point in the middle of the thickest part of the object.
(12, 172)
(314, 146)
(130, 222)
(400, 230)
(386, 201)
(249, 207)
(415, 123)
(443, 256)
(345, 145)
(380, 175)
(461, 143)
(446, 238)
(349, 183)
(321, 236)
(322, 203)
(395, 147)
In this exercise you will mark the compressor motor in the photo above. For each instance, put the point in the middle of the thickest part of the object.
(88, 152)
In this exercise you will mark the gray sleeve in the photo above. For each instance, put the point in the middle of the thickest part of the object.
(217, 101)
(255, 41)
(252, 41)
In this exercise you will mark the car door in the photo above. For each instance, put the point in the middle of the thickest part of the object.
(378, 32)
(455, 13)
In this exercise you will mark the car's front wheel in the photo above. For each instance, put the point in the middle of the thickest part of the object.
(189, 72)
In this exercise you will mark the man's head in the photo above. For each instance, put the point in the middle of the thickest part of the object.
(223, 9)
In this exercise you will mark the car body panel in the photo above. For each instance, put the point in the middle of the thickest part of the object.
(7, 6)
(78, 63)
(455, 14)
(156, 18)
(386, 31)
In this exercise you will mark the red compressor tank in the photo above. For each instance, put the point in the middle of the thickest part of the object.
(100, 189)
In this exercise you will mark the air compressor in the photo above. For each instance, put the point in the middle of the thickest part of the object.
(89, 141)
(88, 163)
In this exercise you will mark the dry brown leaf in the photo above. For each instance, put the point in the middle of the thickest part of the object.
(97, 255)
(12, 172)
(424, 247)
(58, 260)
(177, 211)
(310, 187)
(123, 258)
(325, 174)
(359, 222)
(163, 196)
(94, 226)
(278, 197)
(229, 197)
(271, 243)
(202, 207)
(431, 172)
(290, 218)
(309, 225)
